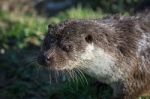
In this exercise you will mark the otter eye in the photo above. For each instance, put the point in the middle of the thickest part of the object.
(89, 38)
(66, 47)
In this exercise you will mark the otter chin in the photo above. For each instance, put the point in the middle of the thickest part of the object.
(115, 50)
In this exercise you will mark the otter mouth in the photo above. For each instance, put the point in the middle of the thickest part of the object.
(69, 72)
(53, 65)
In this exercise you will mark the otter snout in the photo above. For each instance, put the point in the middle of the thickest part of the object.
(45, 60)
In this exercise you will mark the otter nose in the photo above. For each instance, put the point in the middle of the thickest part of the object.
(48, 59)
(44, 60)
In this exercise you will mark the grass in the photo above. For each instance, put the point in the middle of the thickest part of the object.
(21, 37)
(31, 28)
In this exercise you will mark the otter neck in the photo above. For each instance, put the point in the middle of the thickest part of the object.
(101, 64)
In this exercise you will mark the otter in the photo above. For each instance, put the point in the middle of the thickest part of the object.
(115, 50)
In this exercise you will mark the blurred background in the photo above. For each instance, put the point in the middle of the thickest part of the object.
(23, 24)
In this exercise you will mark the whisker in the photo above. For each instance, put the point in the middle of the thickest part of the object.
(57, 75)
(37, 67)
(70, 76)
(55, 79)
(80, 77)
(65, 75)
(30, 58)
(50, 75)
(28, 65)
(83, 75)
(76, 78)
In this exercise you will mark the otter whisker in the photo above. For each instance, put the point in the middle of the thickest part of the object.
(71, 75)
(70, 78)
(37, 67)
(64, 76)
(27, 65)
(65, 72)
(83, 75)
(28, 59)
(75, 77)
(50, 75)
(56, 75)
(67, 76)
(33, 58)
(76, 74)
(80, 77)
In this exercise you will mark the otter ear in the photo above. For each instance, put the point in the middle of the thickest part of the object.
(89, 38)
(50, 28)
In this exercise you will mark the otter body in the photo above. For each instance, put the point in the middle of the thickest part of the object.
(115, 50)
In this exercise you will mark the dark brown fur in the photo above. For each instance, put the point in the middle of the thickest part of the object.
(118, 36)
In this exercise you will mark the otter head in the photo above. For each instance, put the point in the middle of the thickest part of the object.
(76, 44)
(63, 46)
